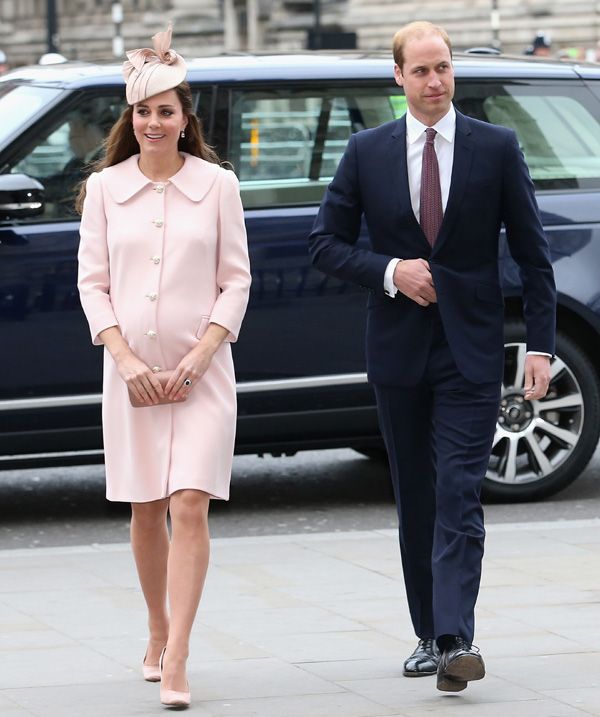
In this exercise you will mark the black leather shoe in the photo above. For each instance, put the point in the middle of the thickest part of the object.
(424, 660)
(459, 663)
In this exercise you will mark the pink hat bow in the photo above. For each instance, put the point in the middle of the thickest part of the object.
(149, 71)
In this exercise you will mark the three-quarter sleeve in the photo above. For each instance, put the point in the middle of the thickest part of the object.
(94, 275)
(233, 265)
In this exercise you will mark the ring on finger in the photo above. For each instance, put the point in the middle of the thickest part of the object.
(187, 382)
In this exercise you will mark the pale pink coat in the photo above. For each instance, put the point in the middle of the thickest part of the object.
(161, 261)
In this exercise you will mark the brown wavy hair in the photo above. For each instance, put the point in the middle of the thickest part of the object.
(122, 144)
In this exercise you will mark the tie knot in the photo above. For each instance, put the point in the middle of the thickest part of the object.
(430, 135)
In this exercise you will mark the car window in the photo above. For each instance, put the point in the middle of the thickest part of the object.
(19, 103)
(285, 145)
(59, 156)
(558, 128)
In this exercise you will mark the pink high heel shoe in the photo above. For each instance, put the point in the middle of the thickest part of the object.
(172, 698)
(151, 672)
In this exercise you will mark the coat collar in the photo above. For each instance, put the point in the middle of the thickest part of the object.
(445, 127)
(399, 172)
(462, 126)
(193, 180)
(461, 167)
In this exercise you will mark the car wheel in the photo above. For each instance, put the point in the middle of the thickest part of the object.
(542, 446)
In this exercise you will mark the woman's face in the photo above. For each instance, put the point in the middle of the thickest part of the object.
(158, 122)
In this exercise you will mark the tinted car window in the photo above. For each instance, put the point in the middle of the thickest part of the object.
(286, 144)
(557, 126)
(59, 156)
(18, 103)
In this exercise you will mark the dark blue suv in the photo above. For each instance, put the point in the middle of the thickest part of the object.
(283, 122)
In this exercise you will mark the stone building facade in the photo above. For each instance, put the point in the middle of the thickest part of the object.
(86, 28)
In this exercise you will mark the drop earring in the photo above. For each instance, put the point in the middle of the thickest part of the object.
(182, 134)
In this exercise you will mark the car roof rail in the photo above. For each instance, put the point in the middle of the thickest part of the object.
(483, 51)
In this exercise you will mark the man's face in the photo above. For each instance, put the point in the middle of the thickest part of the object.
(427, 78)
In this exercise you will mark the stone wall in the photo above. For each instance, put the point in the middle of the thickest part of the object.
(86, 28)
(569, 22)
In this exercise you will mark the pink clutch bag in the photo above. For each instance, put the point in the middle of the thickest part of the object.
(163, 377)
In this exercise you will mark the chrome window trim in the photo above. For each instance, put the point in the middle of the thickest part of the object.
(283, 384)
(57, 454)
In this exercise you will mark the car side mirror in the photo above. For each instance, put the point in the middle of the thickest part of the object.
(20, 196)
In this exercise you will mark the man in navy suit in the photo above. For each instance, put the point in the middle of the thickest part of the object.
(435, 187)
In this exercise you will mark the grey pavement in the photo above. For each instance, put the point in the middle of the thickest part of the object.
(311, 625)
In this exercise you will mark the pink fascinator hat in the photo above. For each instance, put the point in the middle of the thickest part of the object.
(148, 72)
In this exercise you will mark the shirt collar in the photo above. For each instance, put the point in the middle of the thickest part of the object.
(446, 127)
(194, 179)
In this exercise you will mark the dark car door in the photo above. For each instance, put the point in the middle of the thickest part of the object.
(557, 122)
(50, 374)
(558, 127)
(52, 388)
(303, 330)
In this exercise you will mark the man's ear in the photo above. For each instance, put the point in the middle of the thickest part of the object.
(398, 76)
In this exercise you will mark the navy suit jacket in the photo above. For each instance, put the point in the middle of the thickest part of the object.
(490, 186)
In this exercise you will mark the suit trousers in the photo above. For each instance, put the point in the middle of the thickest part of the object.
(438, 434)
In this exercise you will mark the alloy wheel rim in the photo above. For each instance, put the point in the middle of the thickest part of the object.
(534, 438)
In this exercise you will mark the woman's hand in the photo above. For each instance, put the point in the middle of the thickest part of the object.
(195, 363)
(188, 372)
(139, 378)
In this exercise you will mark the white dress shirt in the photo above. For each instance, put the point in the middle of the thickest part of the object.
(444, 149)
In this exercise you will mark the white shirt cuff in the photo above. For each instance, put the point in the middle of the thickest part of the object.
(388, 278)
(539, 353)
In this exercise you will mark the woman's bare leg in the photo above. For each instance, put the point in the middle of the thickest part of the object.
(150, 544)
(188, 563)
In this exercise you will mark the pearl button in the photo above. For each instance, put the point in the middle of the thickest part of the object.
(157, 222)
(155, 259)
(159, 188)
(156, 369)
(151, 334)
(152, 297)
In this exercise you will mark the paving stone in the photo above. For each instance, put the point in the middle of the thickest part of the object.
(304, 625)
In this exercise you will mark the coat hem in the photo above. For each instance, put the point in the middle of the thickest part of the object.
(213, 496)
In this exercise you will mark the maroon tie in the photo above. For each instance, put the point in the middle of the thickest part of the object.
(431, 211)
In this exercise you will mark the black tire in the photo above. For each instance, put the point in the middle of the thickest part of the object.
(555, 438)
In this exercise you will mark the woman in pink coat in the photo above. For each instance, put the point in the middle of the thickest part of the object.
(164, 280)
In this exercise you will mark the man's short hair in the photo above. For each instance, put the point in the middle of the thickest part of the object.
(416, 30)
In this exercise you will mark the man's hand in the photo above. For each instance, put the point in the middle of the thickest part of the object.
(413, 278)
(537, 376)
